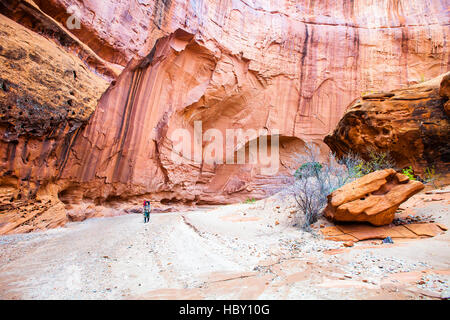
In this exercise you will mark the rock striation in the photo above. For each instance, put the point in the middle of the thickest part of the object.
(411, 123)
(373, 198)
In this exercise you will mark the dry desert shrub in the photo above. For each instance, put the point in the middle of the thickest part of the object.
(314, 180)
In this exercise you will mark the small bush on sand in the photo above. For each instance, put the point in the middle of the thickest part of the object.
(430, 177)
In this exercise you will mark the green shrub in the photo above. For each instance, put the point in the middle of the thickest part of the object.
(358, 167)
(250, 201)
(377, 161)
(409, 172)
(308, 169)
(430, 176)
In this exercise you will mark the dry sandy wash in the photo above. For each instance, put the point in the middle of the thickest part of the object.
(242, 251)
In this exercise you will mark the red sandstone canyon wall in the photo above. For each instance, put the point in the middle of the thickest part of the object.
(261, 65)
(292, 66)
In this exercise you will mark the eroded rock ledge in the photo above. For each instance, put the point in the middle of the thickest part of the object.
(411, 123)
(46, 96)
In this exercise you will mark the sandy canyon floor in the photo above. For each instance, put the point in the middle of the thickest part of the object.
(242, 251)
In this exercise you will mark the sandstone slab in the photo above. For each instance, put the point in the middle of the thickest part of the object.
(425, 229)
(360, 232)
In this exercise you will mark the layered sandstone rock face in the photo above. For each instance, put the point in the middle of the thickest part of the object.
(373, 198)
(235, 65)
(46, 95)
(412, 124)
(284, 69)
(180, 82)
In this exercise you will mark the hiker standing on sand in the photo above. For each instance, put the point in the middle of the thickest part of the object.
(147, 210)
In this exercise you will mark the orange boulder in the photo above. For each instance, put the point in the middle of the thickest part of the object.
(373, 198)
